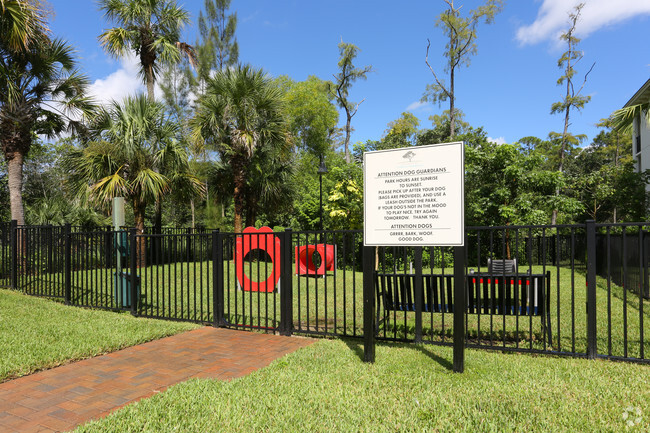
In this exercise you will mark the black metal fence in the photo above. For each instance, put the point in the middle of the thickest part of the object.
(6, 264)
(578, 290)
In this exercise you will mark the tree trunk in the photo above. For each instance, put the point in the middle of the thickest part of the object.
(239, 177)
(147, 60)
(348, 127)
(251, 215)
(158, 216)
(15, 181)
(562, 153)
(157, 229)
(193, 213)
(148, 76)
(138, 215)
(452, 106)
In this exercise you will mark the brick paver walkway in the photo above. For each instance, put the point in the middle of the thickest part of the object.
(64, 397)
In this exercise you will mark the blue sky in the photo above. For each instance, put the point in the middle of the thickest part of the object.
(508, 88)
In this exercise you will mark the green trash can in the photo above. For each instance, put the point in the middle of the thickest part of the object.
(122, 289)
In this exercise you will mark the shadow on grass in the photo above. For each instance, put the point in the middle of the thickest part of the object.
(356, 346)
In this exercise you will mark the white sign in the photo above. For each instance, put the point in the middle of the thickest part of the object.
(415, 196)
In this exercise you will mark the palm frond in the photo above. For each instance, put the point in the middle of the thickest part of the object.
(623, 118)
(149, 185)
(21, 24)
(116, 41)
(109, 187)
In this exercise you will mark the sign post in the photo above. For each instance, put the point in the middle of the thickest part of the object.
(415, 197)
(120, 245)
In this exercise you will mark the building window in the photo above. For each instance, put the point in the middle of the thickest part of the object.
(638, 143)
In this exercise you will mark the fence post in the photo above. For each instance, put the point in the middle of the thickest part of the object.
(134, 271)
(419, 298)
(286, 289)
(368, 305)
(460, 309)
(217, 278)
(13, 244)
(67, 234)
(592, 350)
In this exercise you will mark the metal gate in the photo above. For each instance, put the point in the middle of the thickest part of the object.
(253, 280)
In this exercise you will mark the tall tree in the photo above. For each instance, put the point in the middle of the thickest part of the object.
(41, 92)
(241, 112)
(573, 99)
(135, 138)
(150, 29)
(311, 114)
(217, 47)
(341, 87)
(175, 84)
(461, 46)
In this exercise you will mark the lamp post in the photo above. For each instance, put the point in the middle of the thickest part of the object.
(321, 171)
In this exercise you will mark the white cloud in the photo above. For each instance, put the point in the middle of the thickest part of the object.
(416, 105)
(123, 82)
(553, 15)
(498, 140)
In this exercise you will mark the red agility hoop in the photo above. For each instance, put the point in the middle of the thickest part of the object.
(305, 259)
(254, 239)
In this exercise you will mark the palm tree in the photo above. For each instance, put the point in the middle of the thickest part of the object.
(150, 28)
(269, 184)
(21, 22)
(135, 137)
(41, 92)
(241, 113)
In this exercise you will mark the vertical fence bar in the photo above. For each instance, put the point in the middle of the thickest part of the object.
(609, 291)
(286, 289)
(627, 281)
(289, 283)
(642, 281)
(217, 278)
(134, 269)
(460, 309)
(591, 290)
(13, 245)
(68, 264)
(419, 293)
(641, 290)
(368, 306)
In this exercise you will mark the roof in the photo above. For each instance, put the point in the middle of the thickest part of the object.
(641, 96)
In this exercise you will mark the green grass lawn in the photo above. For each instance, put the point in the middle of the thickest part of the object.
(327, 388)
(37, 333)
